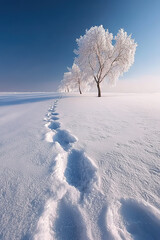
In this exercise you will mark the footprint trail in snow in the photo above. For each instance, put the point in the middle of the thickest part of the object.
(70, 212)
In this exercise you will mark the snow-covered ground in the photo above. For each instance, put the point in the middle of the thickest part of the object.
(79, 167)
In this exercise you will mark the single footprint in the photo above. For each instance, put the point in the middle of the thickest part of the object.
(55, 114)
(141, 221)
(64, 138)
(54, 118)
(54, 125)
(80, 172)
(69, 224)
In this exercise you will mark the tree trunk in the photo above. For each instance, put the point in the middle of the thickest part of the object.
(80, 89)
(99, 90)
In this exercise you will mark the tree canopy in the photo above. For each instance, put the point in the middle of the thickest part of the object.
(98, 58)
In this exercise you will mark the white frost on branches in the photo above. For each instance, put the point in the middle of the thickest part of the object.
(99, 58)
(74, 80)
(77, 77)
(66, 83)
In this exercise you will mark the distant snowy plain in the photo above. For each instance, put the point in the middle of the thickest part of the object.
(79, 167)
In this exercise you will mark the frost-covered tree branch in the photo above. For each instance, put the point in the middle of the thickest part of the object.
(98, 58)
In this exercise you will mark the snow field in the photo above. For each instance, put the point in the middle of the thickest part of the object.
(121, 132)
(88, 169)
(24, 161)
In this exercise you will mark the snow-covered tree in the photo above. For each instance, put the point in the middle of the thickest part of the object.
(74, 80)
(66, 83)
(77, 76)
(79, 79)
(99, 58)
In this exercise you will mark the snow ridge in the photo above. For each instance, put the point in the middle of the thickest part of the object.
(74, 190)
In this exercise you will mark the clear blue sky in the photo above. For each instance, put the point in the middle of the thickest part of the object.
(37, 38)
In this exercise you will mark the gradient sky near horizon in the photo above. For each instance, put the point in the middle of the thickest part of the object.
(37, 38)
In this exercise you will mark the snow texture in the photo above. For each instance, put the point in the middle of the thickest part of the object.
(79, 167)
